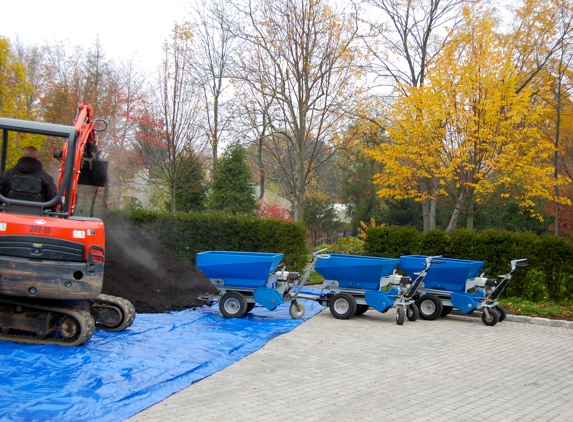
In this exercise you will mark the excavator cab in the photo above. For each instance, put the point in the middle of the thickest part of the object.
(25, 195)
(79, 164)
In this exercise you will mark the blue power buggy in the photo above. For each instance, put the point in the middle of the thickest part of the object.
(457, 285)
(243, 279)
(353, 284)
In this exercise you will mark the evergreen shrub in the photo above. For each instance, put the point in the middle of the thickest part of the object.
(186, 234)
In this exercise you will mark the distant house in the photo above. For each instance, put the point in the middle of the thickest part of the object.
(273, 198)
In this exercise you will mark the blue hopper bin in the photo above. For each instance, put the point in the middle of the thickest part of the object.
(355, 271)
(239, 269)
(450, 276)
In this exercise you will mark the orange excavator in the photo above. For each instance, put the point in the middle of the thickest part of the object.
(52, 261)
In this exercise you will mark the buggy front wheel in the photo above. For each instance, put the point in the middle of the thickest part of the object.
(490, 317)
(297, 309)
(501, 312)
(412, 312)
(400, 314)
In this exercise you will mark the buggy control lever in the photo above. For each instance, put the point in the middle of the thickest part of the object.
(289, 262)
(434, 260)
(318, 253)
(518, 263)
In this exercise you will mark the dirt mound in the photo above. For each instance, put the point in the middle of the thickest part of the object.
(148, 275)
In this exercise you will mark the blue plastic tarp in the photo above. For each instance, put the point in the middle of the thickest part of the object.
(116, 375)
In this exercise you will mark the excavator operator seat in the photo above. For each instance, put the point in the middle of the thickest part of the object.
(26, 189)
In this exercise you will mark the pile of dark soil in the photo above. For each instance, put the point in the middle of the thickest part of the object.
(148, 275)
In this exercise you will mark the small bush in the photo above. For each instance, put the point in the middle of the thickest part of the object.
(348, 245)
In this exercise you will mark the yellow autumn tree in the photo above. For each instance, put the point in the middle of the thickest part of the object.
(468, 130)
(15, 91)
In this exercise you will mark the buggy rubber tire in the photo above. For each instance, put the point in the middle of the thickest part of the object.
(233, 305)
(400, 315)
(501, 311)
(250, 307)
(342, 305)
(412, 312)
(446, 309)
(361, 309)
(296, 309)
(492, 319)
(430, 307)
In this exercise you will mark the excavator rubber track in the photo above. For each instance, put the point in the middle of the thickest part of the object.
(112, 313)
(31, 323)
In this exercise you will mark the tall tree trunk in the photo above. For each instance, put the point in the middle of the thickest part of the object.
(215, 147)
(172, 199)
(453, 220)
(119, 188)
(215, 134)
(300, 178)
(556, 153)
(470, 221)
(260, 159)
(433, 206)
(456, 214)
(295, 210)
(262, 184)
(470, 215)
(425, 205)
(426, 214)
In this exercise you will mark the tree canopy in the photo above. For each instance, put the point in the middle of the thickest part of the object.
(468, 130)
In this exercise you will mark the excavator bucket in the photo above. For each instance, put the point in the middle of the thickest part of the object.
(94, 173)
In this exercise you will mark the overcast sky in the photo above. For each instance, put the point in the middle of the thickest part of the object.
(125, 27)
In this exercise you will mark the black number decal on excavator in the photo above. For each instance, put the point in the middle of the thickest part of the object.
(40, 229)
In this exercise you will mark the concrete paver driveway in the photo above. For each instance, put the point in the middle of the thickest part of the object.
(370, 369)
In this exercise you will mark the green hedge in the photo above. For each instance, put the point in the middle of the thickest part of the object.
(550, 258)
(186, 234)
